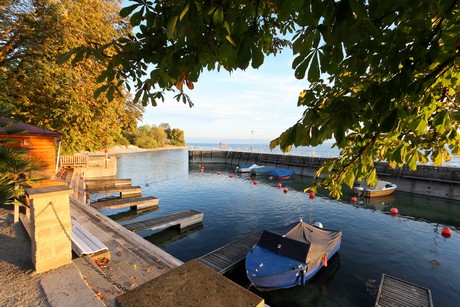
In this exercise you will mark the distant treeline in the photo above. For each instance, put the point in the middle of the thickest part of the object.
(152, 136)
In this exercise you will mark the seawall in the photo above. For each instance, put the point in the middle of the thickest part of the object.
(443, 182)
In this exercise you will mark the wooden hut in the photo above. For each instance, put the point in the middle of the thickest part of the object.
(37, 142)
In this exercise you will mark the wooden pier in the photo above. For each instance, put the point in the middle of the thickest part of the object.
(135, 203)
(227, 257)
(183, 219)
(397, 292)
(106, 183)
(123, 190)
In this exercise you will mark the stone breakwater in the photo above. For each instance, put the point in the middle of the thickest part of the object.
(442, 182)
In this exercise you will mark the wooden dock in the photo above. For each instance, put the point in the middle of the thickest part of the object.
(183, 219)
(397, 292)
(135, 203)
(227, 257)
(104, 182)
(123, 190)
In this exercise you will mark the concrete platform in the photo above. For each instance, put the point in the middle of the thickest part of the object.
(191, 284)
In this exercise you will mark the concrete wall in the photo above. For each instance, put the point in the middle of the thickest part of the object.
(101, 166)
(443, 182)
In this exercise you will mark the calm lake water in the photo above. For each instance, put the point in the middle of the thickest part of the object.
(409, 246)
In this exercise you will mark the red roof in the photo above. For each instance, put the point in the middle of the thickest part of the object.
(26, 129)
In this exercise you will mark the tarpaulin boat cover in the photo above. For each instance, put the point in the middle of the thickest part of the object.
(300, 241)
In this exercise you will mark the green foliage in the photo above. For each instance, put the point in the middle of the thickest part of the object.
(382, 77)
(150, 137)
(62, 97)
(176, 137)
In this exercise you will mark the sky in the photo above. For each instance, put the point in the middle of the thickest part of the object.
(251, 106)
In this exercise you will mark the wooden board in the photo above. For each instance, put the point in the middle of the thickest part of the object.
(138, 202)
(397, 292)
(229, 256)
(113, 189)
(183, 218)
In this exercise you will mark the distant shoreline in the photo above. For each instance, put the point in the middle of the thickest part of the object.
(133, 149)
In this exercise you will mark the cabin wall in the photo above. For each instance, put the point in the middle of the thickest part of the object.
(38, 146)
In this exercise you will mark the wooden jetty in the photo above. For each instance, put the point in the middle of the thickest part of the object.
(123, 190)
(227, 257)
(105, 182)
(183, 219)
(135, 203)
(397, 292)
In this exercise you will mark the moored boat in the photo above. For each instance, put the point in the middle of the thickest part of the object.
(246, 168)
(262, 171)
(289, 256)
(281, 173)
(381, 188)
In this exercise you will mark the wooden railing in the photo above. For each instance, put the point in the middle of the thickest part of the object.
(73, 161)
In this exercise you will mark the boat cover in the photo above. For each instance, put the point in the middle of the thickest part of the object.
(300, 241)
(281, 172)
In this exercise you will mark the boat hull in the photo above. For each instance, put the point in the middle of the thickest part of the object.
(279, 272)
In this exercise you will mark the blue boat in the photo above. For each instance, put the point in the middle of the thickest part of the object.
(289, 256)
(280, 173)
(262, 171)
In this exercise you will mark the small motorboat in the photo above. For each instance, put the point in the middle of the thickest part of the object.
(382, 188)
(280, 173)
(262, 171)
(246, 168)
(289, 256)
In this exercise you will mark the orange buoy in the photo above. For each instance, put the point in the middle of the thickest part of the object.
(254, 181)
(230, 176)
(312, 195)
(285, 190)
(394, 211)
(280, 185)
(354, 200)
(446, 232)
(325, 260)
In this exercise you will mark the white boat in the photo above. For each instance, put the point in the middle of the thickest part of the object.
(381, 188)
(246, 168)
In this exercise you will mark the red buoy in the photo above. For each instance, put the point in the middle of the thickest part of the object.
(312, 195)
(285, 190)
(230, 176)
(254, 181)
(446, 232)
(354, 200)
(218, 172)
(280, 185)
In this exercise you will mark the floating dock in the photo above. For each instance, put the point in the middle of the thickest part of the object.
(397, 292)
(183, 219)
(227, 257)
(106, 183)
(123, 190)
(135, 203)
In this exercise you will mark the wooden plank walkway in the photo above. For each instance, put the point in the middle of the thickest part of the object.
(397, 292)
(183, 219)
(104, 182)
(227, 257)
(123, 190)
(132, 202)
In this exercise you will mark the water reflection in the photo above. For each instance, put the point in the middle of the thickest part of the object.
(172, 234)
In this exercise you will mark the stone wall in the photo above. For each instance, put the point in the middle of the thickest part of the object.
(443, 182)
(50, 227)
